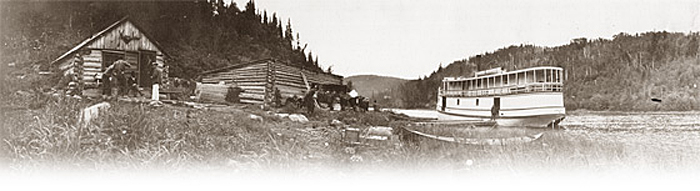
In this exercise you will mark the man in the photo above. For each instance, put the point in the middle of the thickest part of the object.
(107, 83)
(119, 69)
(278, 98)
(310, 101)
(156, 76)
(494, 112)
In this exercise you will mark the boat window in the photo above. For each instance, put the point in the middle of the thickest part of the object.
(558, 77)
(551, 75)
(491, 82)
(506, 80)
(457, 101)
(539, 76)
(499, 81)
(547, 75)
(477, 102)
(530, 76)
(521, 77)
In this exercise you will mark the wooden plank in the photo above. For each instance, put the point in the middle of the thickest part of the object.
(256, 102)
(92, 69)
(252, 87)
(251, 83)
(92, 64)
(252, 96)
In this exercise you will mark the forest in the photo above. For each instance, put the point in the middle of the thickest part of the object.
(623, 73)
(199, 34)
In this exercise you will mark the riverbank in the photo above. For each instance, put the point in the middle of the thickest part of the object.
(226, 139)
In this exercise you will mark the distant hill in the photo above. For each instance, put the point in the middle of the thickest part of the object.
(630, 72)
(368, 84)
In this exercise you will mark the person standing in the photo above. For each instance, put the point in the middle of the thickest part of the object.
(156, 76)
(119, 70)
(494, 112)
(278, 98)
(309, 101)
(107, 83)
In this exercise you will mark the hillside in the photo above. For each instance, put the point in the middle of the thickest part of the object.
(623, 73)
(199, 35)
(367, 85)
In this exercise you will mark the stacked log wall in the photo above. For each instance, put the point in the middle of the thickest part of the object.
(259, 80)
(251, 79)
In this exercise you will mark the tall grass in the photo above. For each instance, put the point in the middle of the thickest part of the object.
(132, 136)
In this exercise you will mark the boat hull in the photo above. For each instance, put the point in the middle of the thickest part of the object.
(521, 110)
(537, 121)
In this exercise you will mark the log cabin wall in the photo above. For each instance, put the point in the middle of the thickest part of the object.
(258, 79)
(251, 78)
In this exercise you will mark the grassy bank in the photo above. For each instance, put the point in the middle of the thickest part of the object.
(129, 136)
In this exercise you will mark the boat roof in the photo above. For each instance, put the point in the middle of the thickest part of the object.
(502, 73)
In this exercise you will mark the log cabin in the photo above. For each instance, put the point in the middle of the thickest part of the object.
(258, 79)
(121, 40)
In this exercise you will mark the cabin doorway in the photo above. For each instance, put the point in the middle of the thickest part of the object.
(145, 67)
(444, 102)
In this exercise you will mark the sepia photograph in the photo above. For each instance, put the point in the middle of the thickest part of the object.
(349, 94)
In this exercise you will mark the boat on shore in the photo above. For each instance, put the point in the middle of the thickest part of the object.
(531, 97)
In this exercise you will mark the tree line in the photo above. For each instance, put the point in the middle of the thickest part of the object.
(623, 73)
(200, 35)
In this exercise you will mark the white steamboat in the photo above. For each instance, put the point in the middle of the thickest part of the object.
(529, 97)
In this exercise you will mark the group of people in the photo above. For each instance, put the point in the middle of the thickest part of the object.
(115, 74)
(126, 82)
(335, 101)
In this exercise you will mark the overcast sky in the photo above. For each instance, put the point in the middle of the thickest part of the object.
(408, 39)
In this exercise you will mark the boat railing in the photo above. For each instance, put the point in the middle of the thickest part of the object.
(515, 89)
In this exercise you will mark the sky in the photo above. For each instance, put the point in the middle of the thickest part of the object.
(409, 39)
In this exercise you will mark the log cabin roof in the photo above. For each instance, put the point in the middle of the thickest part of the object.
(103, 32)
(226, 68)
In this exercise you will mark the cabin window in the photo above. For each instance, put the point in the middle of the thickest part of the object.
(521, 78)
(457, 101)
(491, 82)
(477, 102)
(530, 76)
(505, 80)
(480, 83)
(540, 76)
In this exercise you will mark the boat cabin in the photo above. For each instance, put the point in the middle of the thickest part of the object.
(499, 82)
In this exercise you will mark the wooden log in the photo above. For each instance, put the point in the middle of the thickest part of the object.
(252, 96)
(256, 102)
